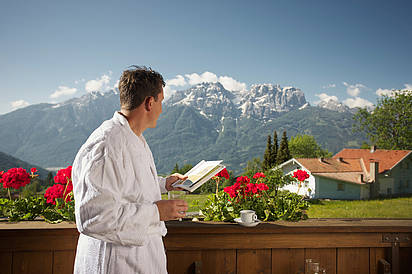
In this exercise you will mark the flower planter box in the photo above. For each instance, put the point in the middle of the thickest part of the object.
(339, 245)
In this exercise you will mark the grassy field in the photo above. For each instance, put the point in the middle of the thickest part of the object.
(383, 208)
(191, 198)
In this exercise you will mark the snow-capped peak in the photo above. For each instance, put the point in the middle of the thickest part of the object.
(261, 101)
(332, 104)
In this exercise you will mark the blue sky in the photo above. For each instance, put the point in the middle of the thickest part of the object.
(350, 51)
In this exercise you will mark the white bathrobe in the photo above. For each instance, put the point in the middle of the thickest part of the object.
(115, 186)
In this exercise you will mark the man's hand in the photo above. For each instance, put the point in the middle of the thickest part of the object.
(173, 178)
(171, 209)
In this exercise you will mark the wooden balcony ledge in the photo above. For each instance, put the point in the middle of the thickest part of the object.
(339, 245)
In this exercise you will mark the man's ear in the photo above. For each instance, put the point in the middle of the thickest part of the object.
(148, 103)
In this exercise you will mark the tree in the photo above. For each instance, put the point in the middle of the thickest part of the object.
(185, 168)
(30, 189)
(175, 169)
(275, 179)
(305, 146)
(266, 165)
(283, 153)
(181, 170)
(274, 149)
(252, 166)
(365, 145)
(389, 126)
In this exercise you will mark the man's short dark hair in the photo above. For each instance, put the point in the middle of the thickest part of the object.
(136, 84)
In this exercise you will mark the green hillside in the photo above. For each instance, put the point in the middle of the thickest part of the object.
(7, 162)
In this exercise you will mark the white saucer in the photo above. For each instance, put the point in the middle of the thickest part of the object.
(239, 221)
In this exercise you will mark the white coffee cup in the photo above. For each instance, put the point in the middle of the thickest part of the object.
(248, 216)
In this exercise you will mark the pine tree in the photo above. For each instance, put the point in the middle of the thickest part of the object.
(283, 153)
(266, 165)
(176, 169)
(49, 179)
(274, 150)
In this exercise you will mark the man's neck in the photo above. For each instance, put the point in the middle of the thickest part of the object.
(135, 120)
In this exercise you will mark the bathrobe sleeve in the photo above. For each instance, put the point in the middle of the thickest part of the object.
(162, 184)
(102, 214)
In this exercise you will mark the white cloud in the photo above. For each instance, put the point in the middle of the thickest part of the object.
(384, 92)
(353, 90)
(231, 84)
(325, 97)
(329, 86)
(408, 87)
(228, 82)
(62, 91)
(392, 92)
(178, 81)
(116, 85)
(357, 102)
(195, 78)
(18, 104)
(101, 84)
(168, 91)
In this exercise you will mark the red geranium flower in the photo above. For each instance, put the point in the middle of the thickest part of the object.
(63, 175)
(301, 175)
(62, 187)
(243, 180)
(58, 191)
(262, 187)
(258, 175)
(15, 178)
(251, 188)
(33, 170)
(231, 191)
(223, 173)
(236, 186)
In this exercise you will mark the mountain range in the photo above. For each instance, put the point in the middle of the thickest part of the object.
(205, 121)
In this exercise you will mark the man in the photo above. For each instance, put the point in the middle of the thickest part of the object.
(119, 211)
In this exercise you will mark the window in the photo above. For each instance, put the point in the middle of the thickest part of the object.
(341, 187)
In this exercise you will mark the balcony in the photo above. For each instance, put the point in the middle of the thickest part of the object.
(339, 245)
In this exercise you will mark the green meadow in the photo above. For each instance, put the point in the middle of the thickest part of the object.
(381, 208)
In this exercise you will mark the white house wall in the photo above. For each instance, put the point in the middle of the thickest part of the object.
(304, 190)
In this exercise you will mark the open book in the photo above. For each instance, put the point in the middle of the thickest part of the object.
(199, 174)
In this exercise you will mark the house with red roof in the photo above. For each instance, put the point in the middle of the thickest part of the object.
(354, 174)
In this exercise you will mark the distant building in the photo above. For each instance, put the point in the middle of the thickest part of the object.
(354, 174)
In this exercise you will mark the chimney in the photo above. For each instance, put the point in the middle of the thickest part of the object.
(373, 148)
(340, 159)
(321, 159)
(373, 170)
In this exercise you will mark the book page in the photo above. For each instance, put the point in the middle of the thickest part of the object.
(201, 170)
(198, 172)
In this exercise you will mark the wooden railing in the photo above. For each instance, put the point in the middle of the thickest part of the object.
(340, 246)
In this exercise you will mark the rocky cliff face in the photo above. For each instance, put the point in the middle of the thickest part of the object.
(263, 101)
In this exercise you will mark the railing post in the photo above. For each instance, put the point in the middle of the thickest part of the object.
(395, 239)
